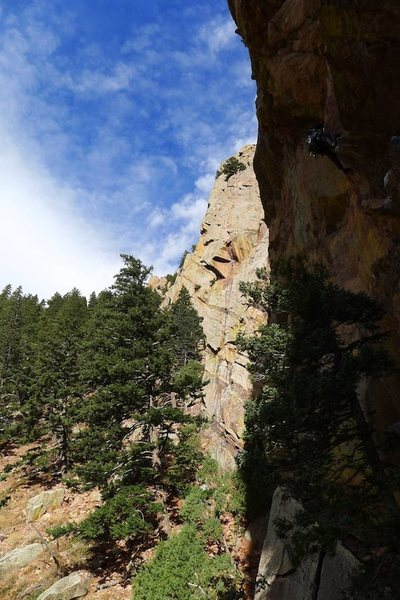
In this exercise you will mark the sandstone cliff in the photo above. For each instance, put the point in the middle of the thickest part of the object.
(233, 244)
(334, 62)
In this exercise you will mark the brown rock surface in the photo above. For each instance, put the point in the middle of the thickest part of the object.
(232, 245)
(336, 62)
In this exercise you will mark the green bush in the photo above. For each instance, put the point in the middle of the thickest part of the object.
(182, 570)
(194, 510)
(171, 278)
(130, 514)
(228, 489)
(59, 530)
(187, 381)
(6, 472)
(4, 501)
(212, 530)
(231, 167)
(184, 460)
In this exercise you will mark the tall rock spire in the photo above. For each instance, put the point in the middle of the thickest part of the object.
(233, 244)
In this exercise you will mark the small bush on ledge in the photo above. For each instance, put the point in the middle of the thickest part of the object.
(231, 167)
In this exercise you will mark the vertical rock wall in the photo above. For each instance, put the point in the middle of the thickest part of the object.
(335, 62)
(233, 244)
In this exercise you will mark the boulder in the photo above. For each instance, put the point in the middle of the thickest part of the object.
(19, 557)
(40, 504)
(336, 574)
(276, 577)
(319, 576)
(74, 585)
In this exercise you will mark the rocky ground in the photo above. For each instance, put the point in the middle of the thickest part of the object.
(31, 572)
(34, 566)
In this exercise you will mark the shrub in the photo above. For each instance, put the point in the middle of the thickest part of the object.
(60, 530)
(184, 461)
(231, 167)
(171, 278)
(188, 380)
(182, 570)
(194, 508)
(4, 501)
(131, 513)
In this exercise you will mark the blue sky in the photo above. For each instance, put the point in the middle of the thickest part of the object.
(114, 115)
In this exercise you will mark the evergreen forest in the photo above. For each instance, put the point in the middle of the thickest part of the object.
(102, 391)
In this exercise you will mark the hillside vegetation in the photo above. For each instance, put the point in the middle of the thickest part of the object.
(106, 392)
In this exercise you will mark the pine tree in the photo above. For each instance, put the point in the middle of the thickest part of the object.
(185, 330)
(132, 407)
(19, 321)
(307, 424)
(55, 390)
(120, 369)
(125, 366)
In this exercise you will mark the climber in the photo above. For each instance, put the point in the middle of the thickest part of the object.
(320, 142)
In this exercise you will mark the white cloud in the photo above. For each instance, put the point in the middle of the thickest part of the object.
(90, 81)
(184, 218)
(157, 218)
(191, 210)
(143, 40)
(45, 245)
(205, 183)
(218, 34)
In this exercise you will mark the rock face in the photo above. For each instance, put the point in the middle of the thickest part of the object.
(334, 62)
(40, 504)
(331, 62)
(19, 557)
(336, 573)
(74, 585)
(276, 578)
(319, 577)
(233, 244)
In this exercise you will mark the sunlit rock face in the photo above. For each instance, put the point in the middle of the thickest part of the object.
(334, 62)
(233, 244)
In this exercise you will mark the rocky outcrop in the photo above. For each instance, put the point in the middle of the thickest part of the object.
(276, 578)
(319, 577)
(334, 62)
(74, 585)
(336, 574)
(20, 557)
(233, 244)
(40, 504)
